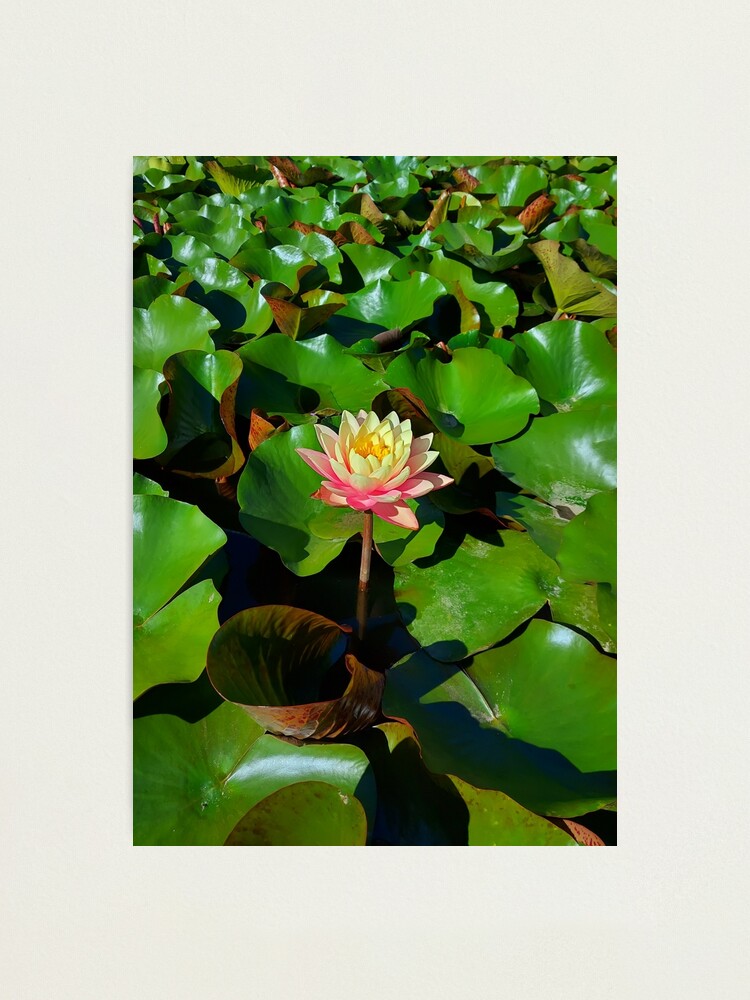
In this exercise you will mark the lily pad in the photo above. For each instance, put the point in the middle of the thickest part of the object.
(193, 781)
(308, 814)
(389, 304)
(551, 687)
(468, 597)
(571, 365)
(276, 506)
(149, 435)
(171, 634)
(589, 543)
(574, 290)
(292, 378)
(497, 299)
(461, 735)
(170, 324)
(495, 820)
(273, 661)
(564, 458)
(474, 398)
(200, 420)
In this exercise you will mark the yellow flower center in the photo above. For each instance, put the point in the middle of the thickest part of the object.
(370, 445)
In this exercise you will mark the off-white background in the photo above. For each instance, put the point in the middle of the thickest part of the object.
(87, 85)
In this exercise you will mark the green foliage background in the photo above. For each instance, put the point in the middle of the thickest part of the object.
(476, 296)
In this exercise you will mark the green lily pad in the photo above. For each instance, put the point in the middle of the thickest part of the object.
(319, 247)
(282, 263)
(574, 290)
(274, 494)
(170, 324)
(142, 486)
(200, 419)
(580, 606)
(193, 782)
(497, 298)
(399, 546)
(170, 637)
(230, 296)
(542, 522)
(149, 435)
(474, 398)
(460, 734)
(588, 552)
(495, 820)
(292, 378)
(513, 185)
(551, 687)
(308, 814)
(571, 365)
(372, 263)
(389, 304)
(466, 598)
(563, 458)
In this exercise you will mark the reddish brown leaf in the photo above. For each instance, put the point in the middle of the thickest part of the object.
(466, 181)
(407, 406)
(275, 653)
(439, 212)
(356, 709)
(292, 320)
(353, 232)
(261, 428)
(581, 834)
(535, 213)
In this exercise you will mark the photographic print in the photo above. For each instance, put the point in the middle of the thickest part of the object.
(374, 500)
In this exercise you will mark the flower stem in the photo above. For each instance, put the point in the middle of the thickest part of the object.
(364, 575)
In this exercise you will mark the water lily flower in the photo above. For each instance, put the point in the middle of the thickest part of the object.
(374, 464)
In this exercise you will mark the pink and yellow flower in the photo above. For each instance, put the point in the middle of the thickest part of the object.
(374, 464)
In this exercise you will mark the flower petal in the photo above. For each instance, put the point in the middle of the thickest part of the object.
(424, 461)
(330, 497)
(317, 460)
(328, 439)
(398, 514)
(424, 483)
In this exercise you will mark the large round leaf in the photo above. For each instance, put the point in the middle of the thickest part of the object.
(474, 398)
(588, 551)
(461, 734)
(551, 687)
(230, 296)
(281, 263)
(149, 436)
(200, 419)
(394, 303)
(193, 781)
(274, 661)
(513, 184)
(170, 324)
(497, 298)
(308, 814)
(564, 458)
(170, 542)
(371, 262)
(469, 597)
(495, 820)
(276, 506)
(290, 378)
(571, 365)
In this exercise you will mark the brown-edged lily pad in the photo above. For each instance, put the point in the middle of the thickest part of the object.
(278, 663)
